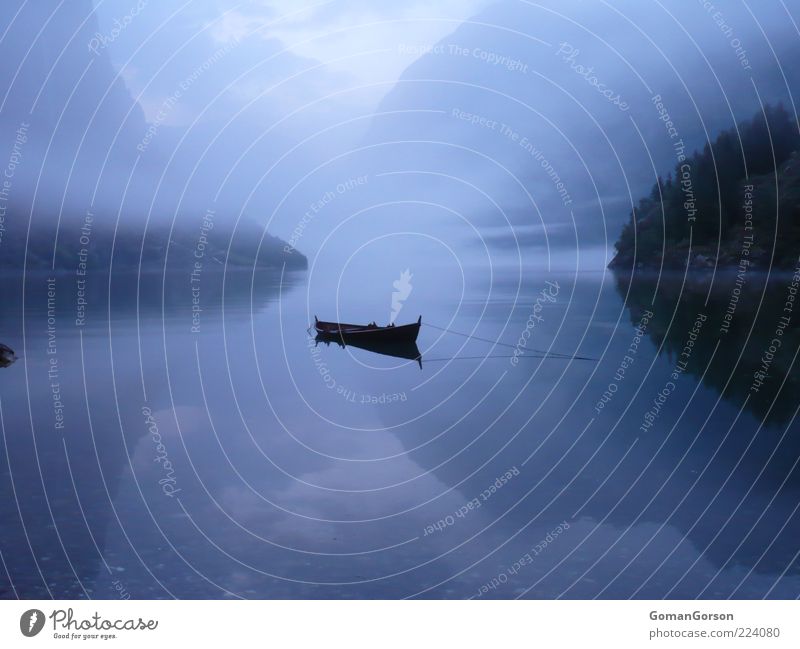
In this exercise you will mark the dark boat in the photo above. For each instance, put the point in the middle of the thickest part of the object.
(353, 334)
(7, 355)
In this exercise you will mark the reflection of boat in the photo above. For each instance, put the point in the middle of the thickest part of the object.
(352, 334)
(408, 350)
(7, 355)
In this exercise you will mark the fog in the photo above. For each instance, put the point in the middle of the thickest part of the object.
(177, 423)
(510, 131)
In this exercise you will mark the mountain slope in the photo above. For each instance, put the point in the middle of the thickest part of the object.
(551, 109)
(722, 203)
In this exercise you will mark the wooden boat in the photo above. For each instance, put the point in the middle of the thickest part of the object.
(371, 333)
(7, 355)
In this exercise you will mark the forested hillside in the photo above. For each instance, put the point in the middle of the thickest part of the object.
(723, 199)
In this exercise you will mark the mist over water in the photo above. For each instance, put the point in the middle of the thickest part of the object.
(184, 189)
(341, 473)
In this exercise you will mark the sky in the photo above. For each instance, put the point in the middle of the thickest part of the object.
(524, 128)
(360, 43)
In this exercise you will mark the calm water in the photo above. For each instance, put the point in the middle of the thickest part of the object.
(144, 459)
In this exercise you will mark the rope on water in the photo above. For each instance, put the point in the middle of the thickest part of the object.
(528, 353)
(480, 358)
(544, 354)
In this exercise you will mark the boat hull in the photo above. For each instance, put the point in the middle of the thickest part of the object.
(353, 334)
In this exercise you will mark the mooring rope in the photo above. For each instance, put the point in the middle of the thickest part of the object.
(544, 354)
(527, 353)
(480, 358)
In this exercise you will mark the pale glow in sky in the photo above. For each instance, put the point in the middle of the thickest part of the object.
(366, 37)
(360, 42)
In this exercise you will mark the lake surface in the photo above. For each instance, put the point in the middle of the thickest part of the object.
(150, 451)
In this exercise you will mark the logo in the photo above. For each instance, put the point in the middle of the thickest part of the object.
(31, 622)
(402, 287)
